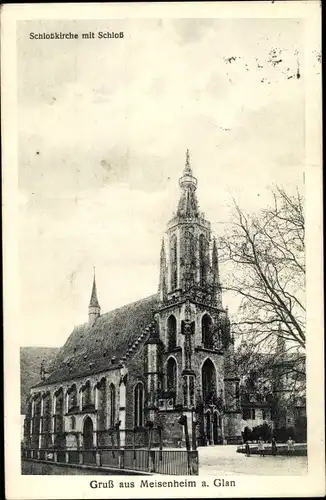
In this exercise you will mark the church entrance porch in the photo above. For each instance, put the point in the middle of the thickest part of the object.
(212, 429)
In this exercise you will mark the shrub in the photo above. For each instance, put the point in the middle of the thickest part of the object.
(283, 433)
(264, 431)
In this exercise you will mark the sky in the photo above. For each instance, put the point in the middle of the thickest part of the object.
(103, 126)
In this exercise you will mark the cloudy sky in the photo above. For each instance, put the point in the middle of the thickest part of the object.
(103, 129)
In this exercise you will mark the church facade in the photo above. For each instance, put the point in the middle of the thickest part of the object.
(148, 363)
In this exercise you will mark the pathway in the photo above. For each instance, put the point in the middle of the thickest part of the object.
(225, 461)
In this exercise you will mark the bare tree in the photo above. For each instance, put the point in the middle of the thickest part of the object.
(267, 256)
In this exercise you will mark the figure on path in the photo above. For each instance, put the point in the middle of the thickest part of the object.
(261, 447)
(290, 444)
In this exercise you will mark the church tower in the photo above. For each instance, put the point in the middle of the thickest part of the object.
(193, 325)
(94, 310)
(189, 258)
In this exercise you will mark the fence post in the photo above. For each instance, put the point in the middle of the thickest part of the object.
(121, 459)
(184, 421)
(98, 458)
(117, 428)
(151, 463)
(160, 435)
(193, 465)
(194, 440)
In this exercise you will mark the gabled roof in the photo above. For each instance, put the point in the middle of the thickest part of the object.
(90, 349)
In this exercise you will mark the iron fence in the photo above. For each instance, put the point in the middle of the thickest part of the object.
(73, 457)
(169, 462)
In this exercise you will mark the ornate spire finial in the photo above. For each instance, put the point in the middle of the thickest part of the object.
(187, 170)
(188, 205)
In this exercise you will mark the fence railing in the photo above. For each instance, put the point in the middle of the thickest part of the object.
(169, 462)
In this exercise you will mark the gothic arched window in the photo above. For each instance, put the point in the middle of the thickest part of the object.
(209, 387)
(203, 259)
(174, 262)
(139, 405)
(171, 375)
(207, 331)
(172, 332)
(112, 405)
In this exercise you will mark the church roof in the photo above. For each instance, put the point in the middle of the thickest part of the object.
(90, 349)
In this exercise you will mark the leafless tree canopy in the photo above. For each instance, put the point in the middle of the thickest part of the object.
(267, 255)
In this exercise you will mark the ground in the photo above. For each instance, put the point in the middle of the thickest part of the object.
(225, 461)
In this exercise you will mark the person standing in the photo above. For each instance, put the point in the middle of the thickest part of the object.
(274, 446)
(247, 449)
(261, 447)
(290, 444)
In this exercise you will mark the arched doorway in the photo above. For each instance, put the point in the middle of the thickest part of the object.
(215, 428)
(88, 434)
(208, 381)
(208, 427)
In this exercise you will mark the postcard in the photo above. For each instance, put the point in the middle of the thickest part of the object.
(162, 243)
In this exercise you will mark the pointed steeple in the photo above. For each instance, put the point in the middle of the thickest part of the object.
(94, 309)
(94, 300)
(163, 284)
(188, 204)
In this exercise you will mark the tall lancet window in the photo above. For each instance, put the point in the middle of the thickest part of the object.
(203, 259)
(207, 332)
(139, 405)
(112, 405)
(189, 258)
(172, 332)
(171, 375)
(174, 262)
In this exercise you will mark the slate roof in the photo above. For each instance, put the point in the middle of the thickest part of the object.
(90, 349)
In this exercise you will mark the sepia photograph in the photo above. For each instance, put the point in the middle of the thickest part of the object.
(162, 201)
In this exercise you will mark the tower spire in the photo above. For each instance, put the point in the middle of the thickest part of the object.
(188, 204)
(94, 309)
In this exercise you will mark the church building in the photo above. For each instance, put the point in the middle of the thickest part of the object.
(146, 364)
